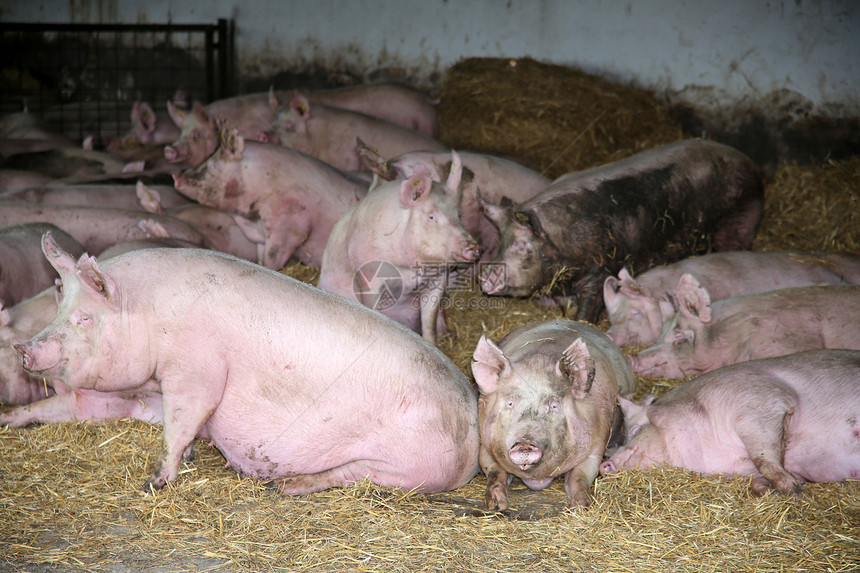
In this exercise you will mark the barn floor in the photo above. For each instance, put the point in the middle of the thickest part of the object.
(70, 498)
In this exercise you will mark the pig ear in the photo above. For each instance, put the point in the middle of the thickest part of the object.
(455, 175)
(489, 364)
(180, 98)
(629, 286)
(693, 299)
(146, 117)
(577, 365)
(667, 305)
(135, 111)
(273, 99)
(149, 198)
(96, 281)
(495, 213)
(301, 105)
(373, 161)
(198, 110)
(62, 261)
(177, 114)
(629, 407)
(416, 187)
(232, 142)
(610, 293)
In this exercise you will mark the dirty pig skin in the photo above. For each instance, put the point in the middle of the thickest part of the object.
(289, 382)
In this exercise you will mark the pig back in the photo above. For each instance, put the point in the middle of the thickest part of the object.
(655, 206)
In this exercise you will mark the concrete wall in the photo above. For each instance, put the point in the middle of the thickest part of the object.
(706, 53)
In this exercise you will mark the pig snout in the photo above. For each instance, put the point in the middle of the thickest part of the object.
(269, 137)
(525, 454)
(172, 154)
(471, 252)
(492, 282)
(39, 355)
(608, 467)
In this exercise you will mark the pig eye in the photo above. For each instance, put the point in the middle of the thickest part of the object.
(84, 319)
(509, 404)
(552, 407)
(634, 430)
(680, 337)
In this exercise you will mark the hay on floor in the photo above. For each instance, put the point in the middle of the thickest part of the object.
(70, 498)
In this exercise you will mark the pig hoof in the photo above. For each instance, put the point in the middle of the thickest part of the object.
(497, 498)
(189, 454)
(580, 499)
(153, 484)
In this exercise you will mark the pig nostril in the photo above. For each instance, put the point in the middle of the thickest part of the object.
(608, 467)
(525, 454)
(26, 359)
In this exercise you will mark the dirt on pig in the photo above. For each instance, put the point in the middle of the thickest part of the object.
(70, 498)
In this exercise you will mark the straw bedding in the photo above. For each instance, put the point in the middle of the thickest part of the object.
(70, 496)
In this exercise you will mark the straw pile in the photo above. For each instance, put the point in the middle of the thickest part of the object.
(70, 498)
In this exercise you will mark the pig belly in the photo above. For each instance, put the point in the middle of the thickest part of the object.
(826, 454)
(391, 448)
(721, 454)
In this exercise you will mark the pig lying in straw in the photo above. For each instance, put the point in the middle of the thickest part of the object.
(703, 336)
(290, 383)
(638, 307)
(782, 420)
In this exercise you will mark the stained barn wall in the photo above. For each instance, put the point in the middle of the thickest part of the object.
(710, 53)
(778, 79)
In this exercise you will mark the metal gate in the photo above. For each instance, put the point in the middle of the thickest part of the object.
(84, 78)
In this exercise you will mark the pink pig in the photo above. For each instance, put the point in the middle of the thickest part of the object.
(17, 324)
(492, 178)
(285, 201)
(24, 272)
(290, 383)
(329, 133)
(148, 128)
(703, 336)
(200, 126)
(637, 308)
(782, 420)
(392, 250)
(547, 406)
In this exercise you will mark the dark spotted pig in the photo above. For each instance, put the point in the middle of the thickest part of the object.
(656, 206)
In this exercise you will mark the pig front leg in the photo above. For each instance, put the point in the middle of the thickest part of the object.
(431, 303)
(282, 242)
(577, 482)
(589, 295)
(497, 481)
(186, 409)
(86, 406)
